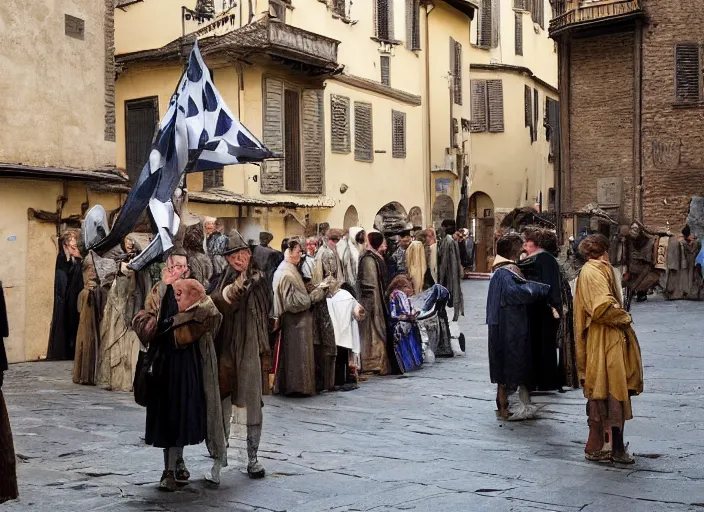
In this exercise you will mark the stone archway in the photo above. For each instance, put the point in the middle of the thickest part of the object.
(391, 218)
(482, 227)
(443, 209)
(351, 218)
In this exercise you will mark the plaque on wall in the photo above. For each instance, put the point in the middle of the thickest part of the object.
(75, 27)
(608, 191)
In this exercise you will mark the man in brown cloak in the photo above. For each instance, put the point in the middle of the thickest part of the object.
(371, 285)
(244, 297)
(608, 355)
(292, 306)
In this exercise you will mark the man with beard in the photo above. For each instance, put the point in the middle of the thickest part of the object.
(68, 284)
(371, 285)
(266, 258)
(542, 267)
(244, 297)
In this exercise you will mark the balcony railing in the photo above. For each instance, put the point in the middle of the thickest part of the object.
(569, 13)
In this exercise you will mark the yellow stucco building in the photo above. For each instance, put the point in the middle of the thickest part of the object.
(363, 99)
(513, 68)
(56, 145)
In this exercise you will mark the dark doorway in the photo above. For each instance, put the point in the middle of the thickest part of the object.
(141, 120)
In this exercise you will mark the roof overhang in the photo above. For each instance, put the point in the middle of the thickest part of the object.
(60, 174)
(466, 7)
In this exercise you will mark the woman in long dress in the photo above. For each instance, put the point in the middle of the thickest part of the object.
(406, 338)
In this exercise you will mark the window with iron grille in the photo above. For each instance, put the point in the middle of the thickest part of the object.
(213, 179)
(519, 33)
(384, 19)
(385, 70)
(363, 132)
(487, 102)
(456, 70)
(339, 7)
(413, 24)
(141, 119)
(688, 73)
(398, 134)
(340, 120)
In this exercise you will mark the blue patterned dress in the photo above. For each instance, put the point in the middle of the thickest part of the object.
(407, 345)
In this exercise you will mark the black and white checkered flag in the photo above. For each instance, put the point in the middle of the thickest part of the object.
(197, 133)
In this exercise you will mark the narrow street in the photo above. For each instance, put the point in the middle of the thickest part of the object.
(426, 442)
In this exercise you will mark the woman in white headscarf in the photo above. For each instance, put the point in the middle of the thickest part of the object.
(350, 251)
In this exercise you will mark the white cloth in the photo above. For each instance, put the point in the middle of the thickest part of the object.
(350, 252)
(341, 307)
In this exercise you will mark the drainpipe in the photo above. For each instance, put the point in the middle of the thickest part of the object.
(428, 159)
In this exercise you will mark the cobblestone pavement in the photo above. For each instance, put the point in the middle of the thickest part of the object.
(427, 442)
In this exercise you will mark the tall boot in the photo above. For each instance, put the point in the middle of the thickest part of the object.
(227, 419)
(254, 434)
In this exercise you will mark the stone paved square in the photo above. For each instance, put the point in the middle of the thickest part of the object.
(425, 442)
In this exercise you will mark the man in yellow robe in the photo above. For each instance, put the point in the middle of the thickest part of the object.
(608, 355)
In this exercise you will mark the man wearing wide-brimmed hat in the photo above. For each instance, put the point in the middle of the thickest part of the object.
(244, 297)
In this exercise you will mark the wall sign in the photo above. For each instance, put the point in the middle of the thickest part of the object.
(75, 27)
(608, 191)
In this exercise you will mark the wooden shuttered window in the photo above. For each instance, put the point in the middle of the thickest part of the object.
(272, 177)
(495, 102)
(519, 33)
(340, 141)
(213, 179)
(385, 65)
(478, 122)
(537, 12)
(487, 102)
(363, 132)
(293, 125)
(456, 70)
(413, 24)
(313, 140)
(484, 24)
(552, 128)
(688, 73)
(398, 134)
(536, 111)
(528, 107)
(384, 19)
(141, 120)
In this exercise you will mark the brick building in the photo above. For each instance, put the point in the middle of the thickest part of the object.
(632, 100)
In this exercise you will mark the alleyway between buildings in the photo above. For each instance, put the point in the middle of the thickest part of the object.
(427, 442)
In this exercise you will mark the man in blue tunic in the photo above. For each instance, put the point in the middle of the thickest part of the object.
(509, 331)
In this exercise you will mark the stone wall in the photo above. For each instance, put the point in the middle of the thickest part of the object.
(110, 70)
(53, 84)
(601, 118)
(673, 136)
